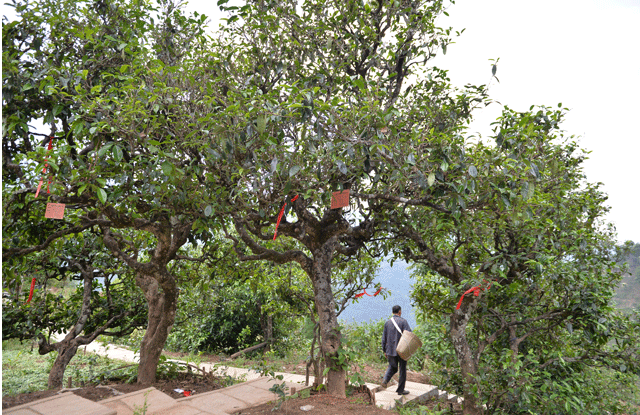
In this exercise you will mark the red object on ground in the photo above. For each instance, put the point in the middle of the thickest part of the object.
(33, 284)
(476, 292)
(293, 199)
(186, 393)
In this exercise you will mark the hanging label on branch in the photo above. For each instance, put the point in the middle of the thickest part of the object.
(340, 199)
(54, 211)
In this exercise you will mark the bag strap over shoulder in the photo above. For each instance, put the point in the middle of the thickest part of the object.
(396, 324)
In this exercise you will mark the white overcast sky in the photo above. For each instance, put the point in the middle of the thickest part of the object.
(582, 53)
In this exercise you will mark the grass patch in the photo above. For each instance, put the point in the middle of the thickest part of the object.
(24, 370)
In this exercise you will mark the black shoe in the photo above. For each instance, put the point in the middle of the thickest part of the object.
(403, 393)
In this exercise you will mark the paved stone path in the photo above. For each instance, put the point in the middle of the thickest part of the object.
(254, 391)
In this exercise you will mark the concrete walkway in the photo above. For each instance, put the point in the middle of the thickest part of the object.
(254, 391)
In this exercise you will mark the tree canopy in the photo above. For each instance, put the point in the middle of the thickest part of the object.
(122, 95)
(525, 268)
(163, 137)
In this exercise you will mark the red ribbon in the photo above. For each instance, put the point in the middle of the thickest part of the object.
(293, 199)
(365, 292)
(476, 292)
(46, 168)
(33, 284)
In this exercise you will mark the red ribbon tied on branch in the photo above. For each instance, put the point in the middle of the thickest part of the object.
(46, 168)
(365, 292)
(281, 214)
(33, 284)
(476, 292)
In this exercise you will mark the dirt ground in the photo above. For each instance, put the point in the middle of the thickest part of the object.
(358, 403)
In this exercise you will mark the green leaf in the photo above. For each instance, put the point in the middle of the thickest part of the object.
(525, 190)
(102, 195)
(329, 42)
(103, 150)
(535, 172)
(293, 170)
(341, 166)
(57, 109)
(53, 165)
(473, 172)
(431, 179)
(167, 168)
(117, 153)
(359, 83)
(77, 128)
(261, 123)
(494, 69)
(531, 188)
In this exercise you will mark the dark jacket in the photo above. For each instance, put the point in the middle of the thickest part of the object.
(391, 336)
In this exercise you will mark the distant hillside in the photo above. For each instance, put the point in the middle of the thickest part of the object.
(395, 279)
(627, 295)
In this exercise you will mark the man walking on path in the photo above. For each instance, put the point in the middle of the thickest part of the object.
(390, 338)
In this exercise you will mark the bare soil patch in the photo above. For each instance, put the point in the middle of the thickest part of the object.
(358, 403)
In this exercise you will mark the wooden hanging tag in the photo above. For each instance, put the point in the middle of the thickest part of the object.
(340, 199)
(54, 211)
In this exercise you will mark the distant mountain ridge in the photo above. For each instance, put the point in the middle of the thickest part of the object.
(398, 282)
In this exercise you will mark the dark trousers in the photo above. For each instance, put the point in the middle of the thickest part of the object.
(396, 364)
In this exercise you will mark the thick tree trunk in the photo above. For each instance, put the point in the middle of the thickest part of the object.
(162, 305)
(66, 351)
(329, 330)
(466, 359)
(155, 281)
(67, 348)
